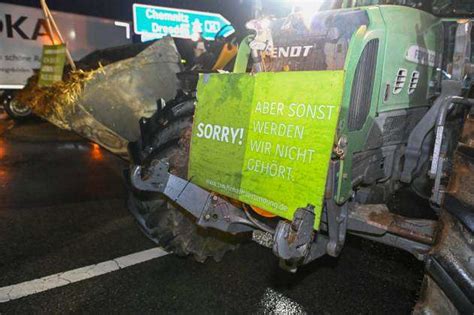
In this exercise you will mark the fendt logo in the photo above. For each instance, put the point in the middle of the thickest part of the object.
(15, 27)
(291, 51)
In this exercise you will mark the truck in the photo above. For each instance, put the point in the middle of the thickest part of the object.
(320, 122)
(23, 32)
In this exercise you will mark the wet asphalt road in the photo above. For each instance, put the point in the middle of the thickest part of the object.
(62, 206)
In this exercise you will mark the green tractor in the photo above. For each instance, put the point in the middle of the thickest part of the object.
(320, 122)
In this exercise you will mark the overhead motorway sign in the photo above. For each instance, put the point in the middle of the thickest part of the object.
(156, 22)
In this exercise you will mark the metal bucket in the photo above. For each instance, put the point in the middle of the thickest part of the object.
(111, 103)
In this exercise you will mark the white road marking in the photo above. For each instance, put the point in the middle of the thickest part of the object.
(273, 302)
(11, 86)
(16, 291)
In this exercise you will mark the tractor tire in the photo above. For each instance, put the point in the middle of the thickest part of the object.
(165, 223)
(448, 284)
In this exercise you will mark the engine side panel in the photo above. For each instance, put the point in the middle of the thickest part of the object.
(413, 51)
(402, 85)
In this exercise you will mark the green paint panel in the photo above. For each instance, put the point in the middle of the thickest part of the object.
(266, 139)
(52, 64)
(401, 32)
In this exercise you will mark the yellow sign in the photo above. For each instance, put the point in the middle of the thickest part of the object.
(52, 64)
(266, 139)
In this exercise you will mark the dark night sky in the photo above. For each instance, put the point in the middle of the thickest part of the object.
(236, 11)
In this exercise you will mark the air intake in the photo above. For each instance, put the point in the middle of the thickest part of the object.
(400, 81)
(362, 87)
(415, 77)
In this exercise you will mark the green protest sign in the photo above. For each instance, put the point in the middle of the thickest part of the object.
(52, 64)
(266, 139)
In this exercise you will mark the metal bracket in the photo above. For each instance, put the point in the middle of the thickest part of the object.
(440, 159)
(337, 217)
(375, 222)
(450, 90)
(296, 242)
(211, 211)
(416, 146)
(292, 240)
(462, 50)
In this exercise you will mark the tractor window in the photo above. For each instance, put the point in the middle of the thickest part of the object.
(281, 9)
(453, 7)
(450, 36)
(445, 8)
(407, 3)
(319, 43)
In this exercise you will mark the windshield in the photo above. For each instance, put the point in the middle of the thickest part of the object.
(447, 8)
(318, 43)
(444, 8)
(281, 8)
(453, 7)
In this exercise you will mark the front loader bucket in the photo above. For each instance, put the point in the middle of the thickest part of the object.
(104, 105)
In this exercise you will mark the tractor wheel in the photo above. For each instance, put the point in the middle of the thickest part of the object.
(167, 224)
(448, 282)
